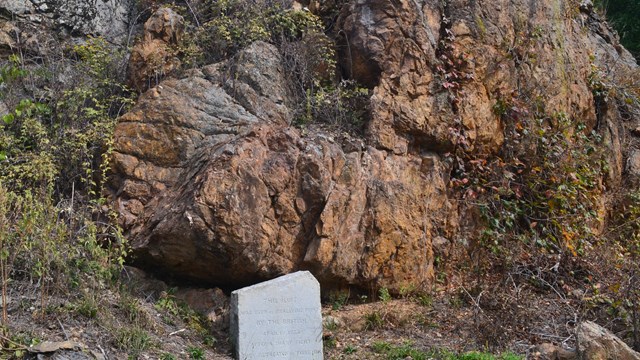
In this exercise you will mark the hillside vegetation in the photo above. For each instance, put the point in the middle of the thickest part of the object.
(521, 206)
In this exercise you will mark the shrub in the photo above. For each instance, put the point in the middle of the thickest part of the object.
(545, 188)
(53, 154)
(227, 26)
(223, 28)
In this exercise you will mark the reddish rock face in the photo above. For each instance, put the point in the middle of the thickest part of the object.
(213, 184)
(438, 70)
(210, 190)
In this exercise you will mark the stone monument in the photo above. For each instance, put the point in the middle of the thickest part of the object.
(278, 319)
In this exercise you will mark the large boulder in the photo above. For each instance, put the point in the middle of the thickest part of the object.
(593, 343)
(219, 192)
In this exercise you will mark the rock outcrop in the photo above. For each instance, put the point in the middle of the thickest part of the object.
(214, 184)
(153, 58)
(232, 195)
(106, 18)
(437, 71)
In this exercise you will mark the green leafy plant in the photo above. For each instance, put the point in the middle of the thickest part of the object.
(53, 163)
(329, 342)
(225, 27)
(384, 295)
(547, 196)
(408, 350)
(220, 29)
(345, 105)
(12, 71)
(425, 300)
(349, 349)
(88, 305)
(393, 352)
(338, 299)
(195, 353)
(625, 242)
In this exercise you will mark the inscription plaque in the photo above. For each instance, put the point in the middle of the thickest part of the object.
(278, 319)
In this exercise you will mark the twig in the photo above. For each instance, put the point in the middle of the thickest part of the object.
(567, 339)
(19, 346)
(549, 336)
(195, 17)
(177, 332)
(476, 302)
(102, 351)
(66, 336)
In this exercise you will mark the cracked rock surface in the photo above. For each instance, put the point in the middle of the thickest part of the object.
(213, 184)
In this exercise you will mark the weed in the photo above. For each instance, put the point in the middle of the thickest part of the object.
(226, 27)
(373, 320)
(195, 353)
(88, 305)
(545, 189)
(167, 356)
(54, 151)
(393, 352)
(134, 340)
(483, 356)
(425, 300)
(456, 301)
(407, 291)
(338, 299)
(331, 325)
(167, 303)
(407, 350)
(131, 307)
(349, 349)
(209, 340)
(384, 295)
(330, 342)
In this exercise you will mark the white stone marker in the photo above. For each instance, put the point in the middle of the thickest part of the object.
(278, 319)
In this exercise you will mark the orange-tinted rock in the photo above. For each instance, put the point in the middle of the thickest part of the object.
(213, 183)
(154, 58)
(248, 198)
(437, 72)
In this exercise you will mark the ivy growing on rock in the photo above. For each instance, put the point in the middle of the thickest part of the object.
(543, 192)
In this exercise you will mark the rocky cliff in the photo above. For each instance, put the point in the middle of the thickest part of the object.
(214, 183)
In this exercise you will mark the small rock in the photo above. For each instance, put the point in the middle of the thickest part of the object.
(17, 7)
(440, 246)
(598, 343)
(51, 346)
(586, 6)
(633, 163)
(549, 351)
(332, 322)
